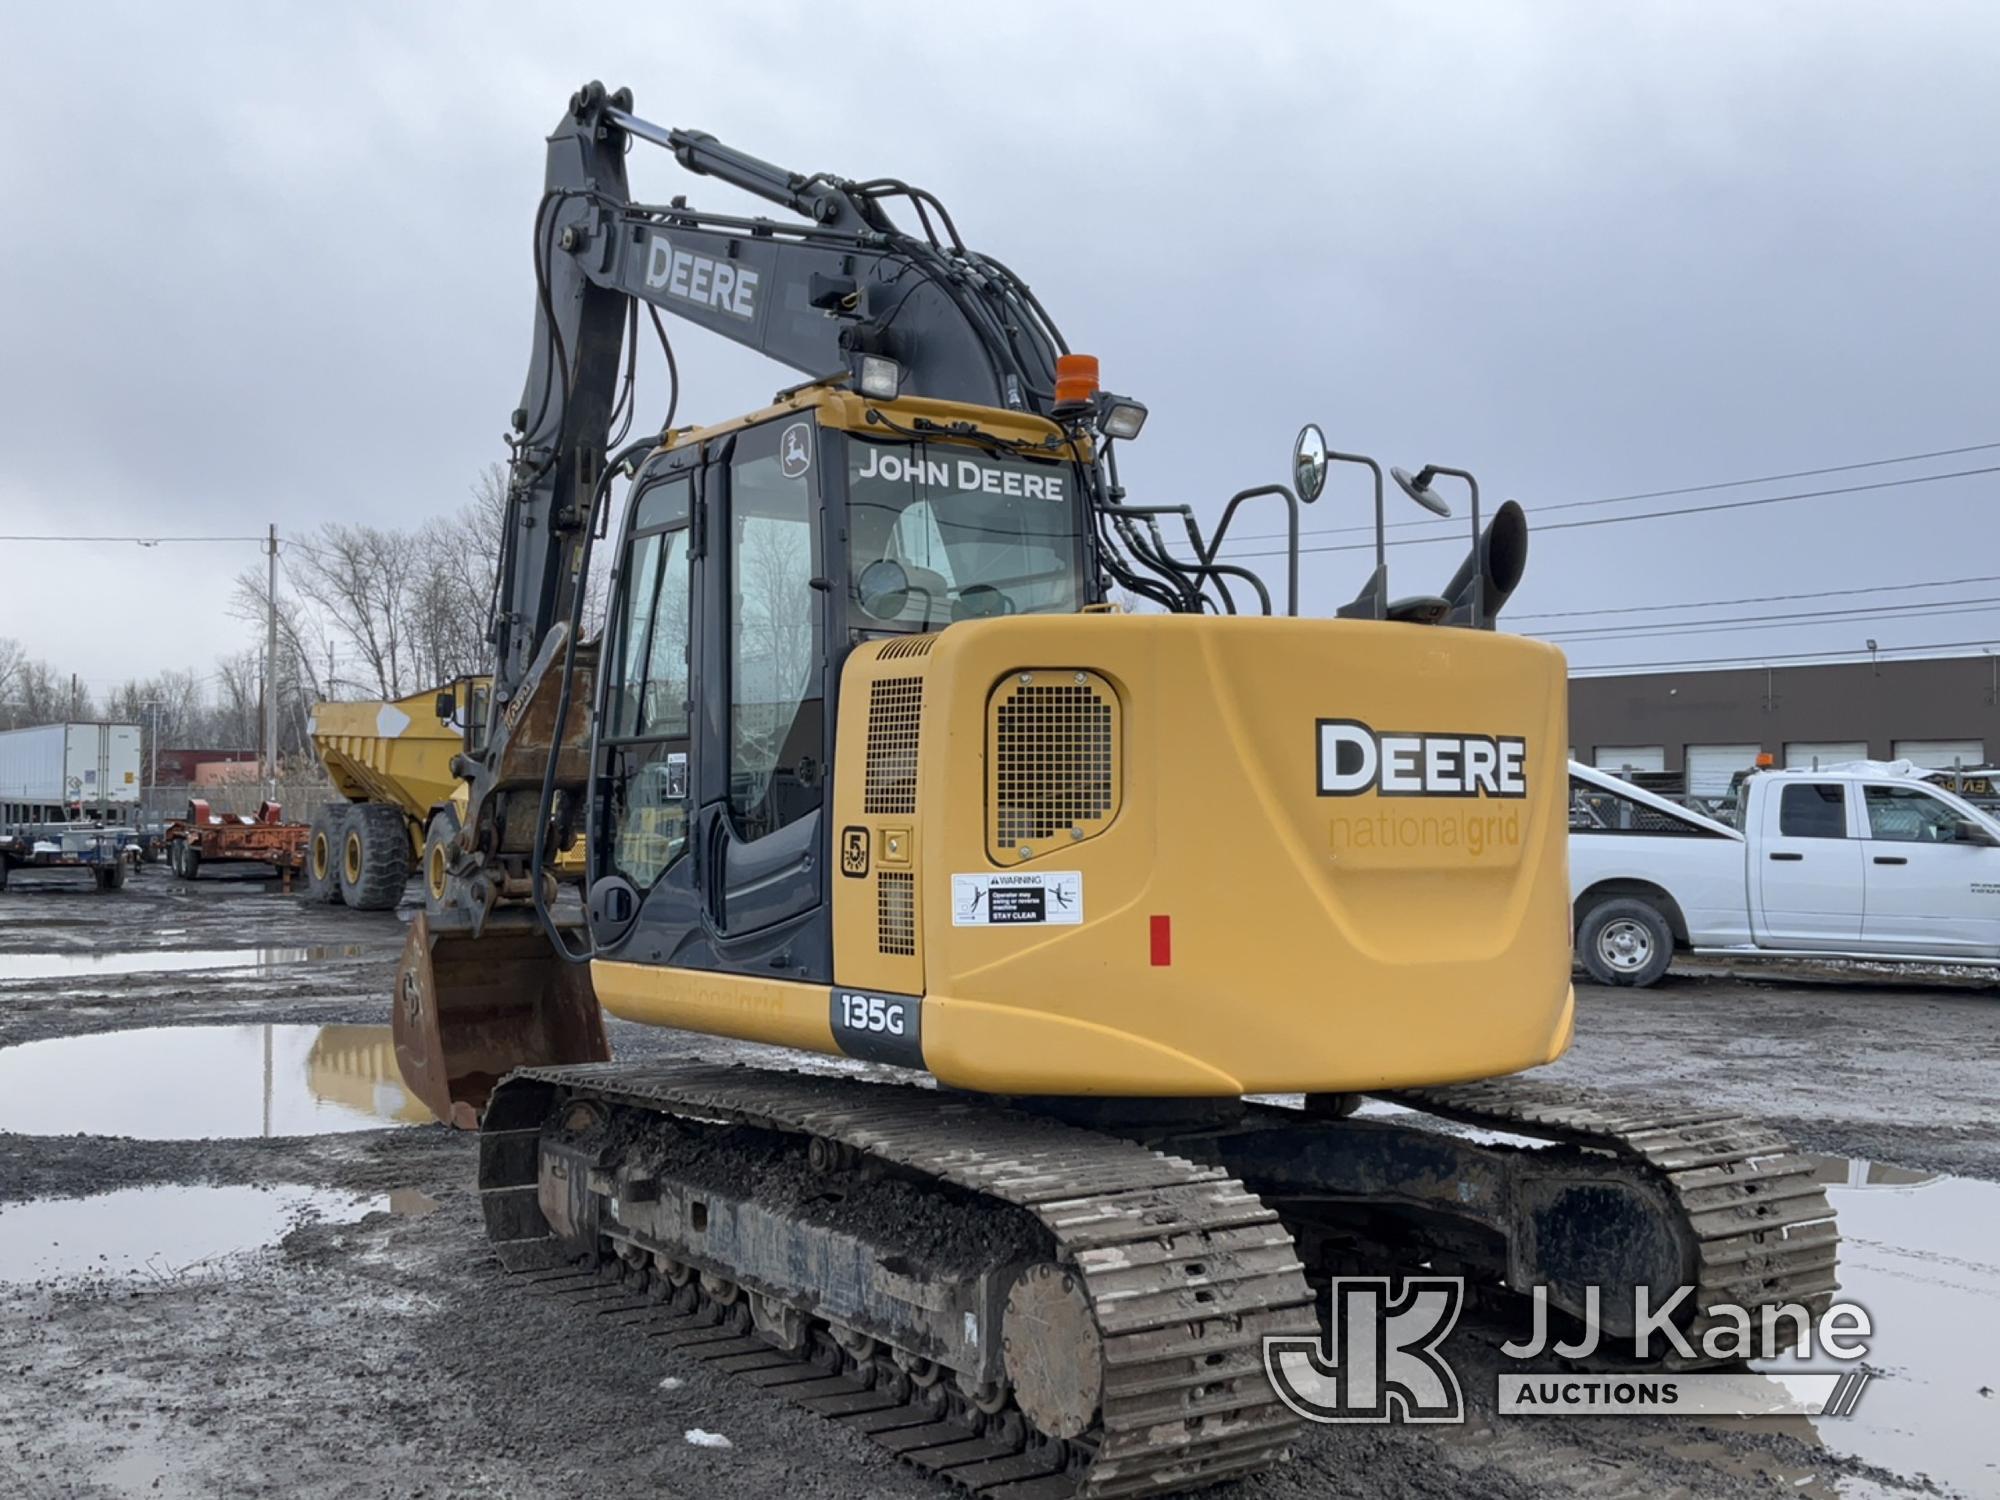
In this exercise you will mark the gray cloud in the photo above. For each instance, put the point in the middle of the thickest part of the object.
(269, 263)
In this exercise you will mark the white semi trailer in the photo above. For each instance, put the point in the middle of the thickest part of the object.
(67, 796)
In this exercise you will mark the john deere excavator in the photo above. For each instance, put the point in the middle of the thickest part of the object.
(868, 765)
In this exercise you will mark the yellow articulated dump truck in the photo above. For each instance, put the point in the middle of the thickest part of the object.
(392, 762)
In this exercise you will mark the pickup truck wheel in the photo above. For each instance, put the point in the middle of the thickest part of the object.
(1625, 941)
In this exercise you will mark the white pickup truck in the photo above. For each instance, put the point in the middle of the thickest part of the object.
(1865, 860)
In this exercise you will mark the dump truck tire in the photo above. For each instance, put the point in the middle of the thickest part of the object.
(323, 854)
(190, 862)
(174, 852)
(111, 877)
(374, 857)
(437, 854)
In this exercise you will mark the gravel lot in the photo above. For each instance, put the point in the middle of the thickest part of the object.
(302, 1305)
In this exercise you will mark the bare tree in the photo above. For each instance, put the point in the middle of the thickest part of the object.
(359, 579)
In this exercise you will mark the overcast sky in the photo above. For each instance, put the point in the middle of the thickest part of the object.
(270, 263)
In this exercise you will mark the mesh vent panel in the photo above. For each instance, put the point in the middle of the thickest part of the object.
(1052, 766)
(896, 912)
(895, 708)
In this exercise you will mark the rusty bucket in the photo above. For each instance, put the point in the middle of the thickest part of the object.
(469, 1010)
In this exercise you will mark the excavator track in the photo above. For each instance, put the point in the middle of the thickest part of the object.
(1181, 1270)
(1156, 1274)
(1757, 1224)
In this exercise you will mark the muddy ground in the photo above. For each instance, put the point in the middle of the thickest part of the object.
(303, 1306)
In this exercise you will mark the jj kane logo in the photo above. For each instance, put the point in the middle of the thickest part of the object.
(1354, 758)
(1380, 1359)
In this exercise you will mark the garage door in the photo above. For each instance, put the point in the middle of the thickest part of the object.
(1711, 767)
(1805, 755)
(1942, 754)
(1631, 757)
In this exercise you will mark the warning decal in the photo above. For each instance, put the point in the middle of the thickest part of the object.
(1052, 898)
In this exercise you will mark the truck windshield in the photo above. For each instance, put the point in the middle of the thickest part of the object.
(975, 535)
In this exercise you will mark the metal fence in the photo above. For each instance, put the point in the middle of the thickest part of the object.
(301, 797)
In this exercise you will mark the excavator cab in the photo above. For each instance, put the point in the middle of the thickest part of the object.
(756, 557)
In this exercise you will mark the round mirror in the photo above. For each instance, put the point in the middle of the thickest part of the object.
(883, 588)
(1309, 462)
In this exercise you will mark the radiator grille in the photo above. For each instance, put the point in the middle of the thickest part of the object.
(909, 645)
(1054, 766)
(896, 912)
(895, 708)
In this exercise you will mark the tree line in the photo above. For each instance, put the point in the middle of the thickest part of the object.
(362, 612)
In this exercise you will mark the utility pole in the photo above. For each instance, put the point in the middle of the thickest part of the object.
(271, 673)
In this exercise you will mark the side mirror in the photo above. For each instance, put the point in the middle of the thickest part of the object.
(1418, 488)
(883, 588)
(1969, 832)
(447, 705)
(1309, 463)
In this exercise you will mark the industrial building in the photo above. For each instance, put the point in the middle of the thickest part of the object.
(1705, 726)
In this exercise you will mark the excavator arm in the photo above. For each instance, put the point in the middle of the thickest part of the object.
(815, 294)
(832, 288)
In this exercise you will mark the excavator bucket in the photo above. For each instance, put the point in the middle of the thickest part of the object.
(471, 1009)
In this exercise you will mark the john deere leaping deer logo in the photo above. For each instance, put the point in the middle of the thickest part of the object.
(795, 449)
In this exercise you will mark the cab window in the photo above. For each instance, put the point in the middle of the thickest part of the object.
(775, 710)
(1813, 810)
(1904, 814)
(646, 719)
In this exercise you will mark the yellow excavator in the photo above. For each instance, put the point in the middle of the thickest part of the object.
(1161, 944)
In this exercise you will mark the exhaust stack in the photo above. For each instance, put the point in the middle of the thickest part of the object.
(1492, 570)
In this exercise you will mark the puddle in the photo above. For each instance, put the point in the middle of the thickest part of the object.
(1922, 1254)
(158, 961)
(154, 1233)
(200, 1082)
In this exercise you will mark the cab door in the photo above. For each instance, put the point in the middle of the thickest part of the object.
(762, 755)
(1933, 875)
(643, 901)
(1807, 867)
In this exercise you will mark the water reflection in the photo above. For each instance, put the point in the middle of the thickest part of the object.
(159, 1232)
(1921, 1252)
(88, 965)
(203, 1082)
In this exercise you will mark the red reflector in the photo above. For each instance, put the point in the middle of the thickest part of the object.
(1163, 942)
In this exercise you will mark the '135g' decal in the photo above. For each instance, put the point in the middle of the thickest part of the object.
(880, 1028)
(871, 1013)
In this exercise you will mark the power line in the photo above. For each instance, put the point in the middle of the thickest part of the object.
(1655, 515)
(1640, 609)
(1583, 634)
(1774, 658)
(1730, 484)
(1659, 495)
(143, 541)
